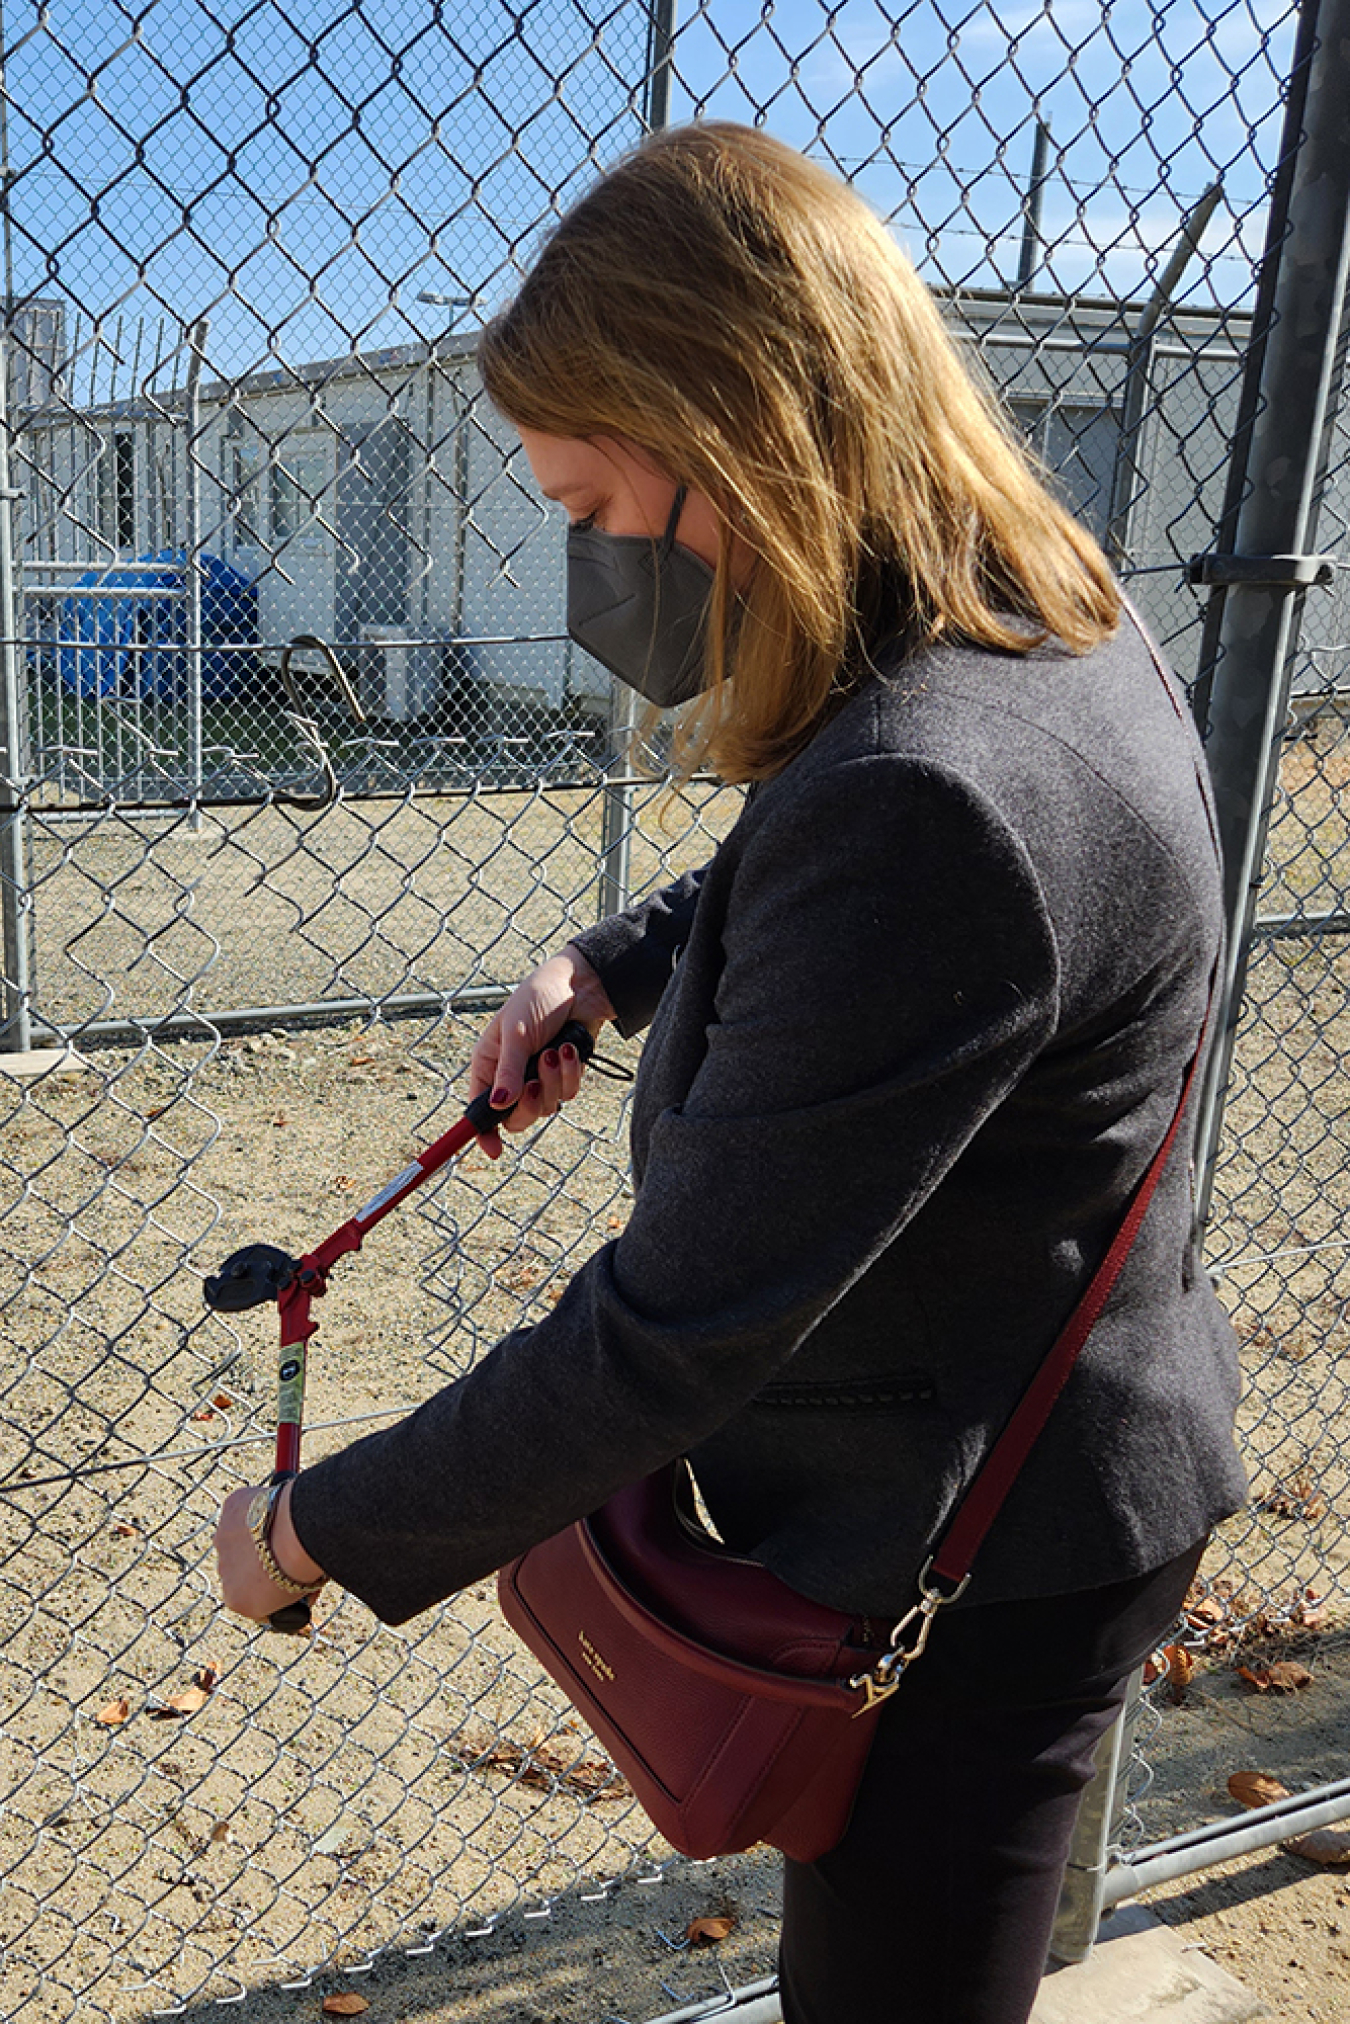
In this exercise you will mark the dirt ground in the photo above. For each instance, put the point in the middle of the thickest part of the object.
(1277, 1921)
(413, 1812)
(316, 1762)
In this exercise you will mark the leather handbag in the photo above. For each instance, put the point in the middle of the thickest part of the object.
(738, 1710)
(723, 1696)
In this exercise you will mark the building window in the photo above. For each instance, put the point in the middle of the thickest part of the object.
(1080, 445)
(300, 478)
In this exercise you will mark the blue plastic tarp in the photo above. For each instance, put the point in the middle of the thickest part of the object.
(128, 644)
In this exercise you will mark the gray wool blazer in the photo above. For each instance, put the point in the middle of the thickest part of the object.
(915, 1033)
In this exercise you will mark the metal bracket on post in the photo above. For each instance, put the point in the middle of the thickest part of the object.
(1268, 572)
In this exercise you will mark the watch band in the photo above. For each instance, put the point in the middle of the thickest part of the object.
(261, 1512)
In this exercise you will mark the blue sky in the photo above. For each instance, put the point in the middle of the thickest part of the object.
(299, 173)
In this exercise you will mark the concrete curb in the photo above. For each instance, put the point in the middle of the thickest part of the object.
(1140, 1969)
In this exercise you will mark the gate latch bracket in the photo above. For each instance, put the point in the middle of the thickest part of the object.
(1266, 572)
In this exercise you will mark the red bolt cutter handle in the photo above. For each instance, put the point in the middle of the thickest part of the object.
(260, 1272)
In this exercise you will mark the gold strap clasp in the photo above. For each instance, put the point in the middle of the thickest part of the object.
(881, 1682)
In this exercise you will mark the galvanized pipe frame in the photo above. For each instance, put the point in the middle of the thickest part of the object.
(624, 713)
(1290, 398)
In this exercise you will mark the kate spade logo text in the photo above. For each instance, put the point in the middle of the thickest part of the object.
(591, 1657)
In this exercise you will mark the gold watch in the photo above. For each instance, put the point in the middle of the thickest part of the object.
(261, 1511)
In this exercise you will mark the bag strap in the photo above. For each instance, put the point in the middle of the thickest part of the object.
(950, 1562)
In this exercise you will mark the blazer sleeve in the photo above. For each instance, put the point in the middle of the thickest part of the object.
(890, 971)
(634, 953)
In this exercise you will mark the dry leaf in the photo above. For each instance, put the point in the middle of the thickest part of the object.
(222, 1402)
(519, 1278)
(221, 1831)
(280, 1119)
(1154, 1668)
(1256, 1788)
(346, 2005)
(1180, 1671)
(1222, 1613)
(707, 1931)
(186, 1703)
(125, 1531)
(342, 1182)
(190, 1699)
(1327, 1845)
(1309, 1610)
(115, 1712)
(361, 1061)
(614, 1223)
(545, 1765)
(204, 1413)
(1285, 1676)
(1294, 1497)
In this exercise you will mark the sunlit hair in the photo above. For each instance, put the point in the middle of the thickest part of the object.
(741, 315)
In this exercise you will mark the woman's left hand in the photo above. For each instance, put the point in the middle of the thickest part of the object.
(244, 1584)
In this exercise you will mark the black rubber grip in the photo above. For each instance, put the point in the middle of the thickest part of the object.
(480, 1113)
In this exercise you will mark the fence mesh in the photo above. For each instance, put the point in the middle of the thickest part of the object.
(245, 252)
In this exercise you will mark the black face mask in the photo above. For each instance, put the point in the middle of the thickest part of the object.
(639, 607)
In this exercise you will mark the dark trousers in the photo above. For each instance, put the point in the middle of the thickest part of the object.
(938, 1903)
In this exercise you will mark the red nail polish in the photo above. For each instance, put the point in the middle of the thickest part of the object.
(500, 1098)
(569, 1053)
(551, 1058)
(533, 1089)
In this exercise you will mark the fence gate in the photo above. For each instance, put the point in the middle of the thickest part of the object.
(256, 896)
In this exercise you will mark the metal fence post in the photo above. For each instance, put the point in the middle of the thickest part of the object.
(192, 575)
(617, 819)
(1139, 371)
(1082, 1897)
(1262, 569)
(15, 899)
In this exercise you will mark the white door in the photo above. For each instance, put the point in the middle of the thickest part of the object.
(297, 591)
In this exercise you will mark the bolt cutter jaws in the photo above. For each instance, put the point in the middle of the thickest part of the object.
(250, 1276)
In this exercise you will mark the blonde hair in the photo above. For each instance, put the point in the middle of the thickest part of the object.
(739, 314)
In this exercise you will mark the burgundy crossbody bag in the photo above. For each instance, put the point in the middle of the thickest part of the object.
(738, 1710)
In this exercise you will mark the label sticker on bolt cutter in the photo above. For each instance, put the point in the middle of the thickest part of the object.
(390, 1189)
(291, 1383)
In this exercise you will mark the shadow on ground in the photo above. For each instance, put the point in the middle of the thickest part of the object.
(586, 1961)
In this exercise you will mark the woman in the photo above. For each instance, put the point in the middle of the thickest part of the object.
(915, 1033)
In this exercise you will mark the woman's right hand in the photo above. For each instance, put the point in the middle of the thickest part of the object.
(563, 988)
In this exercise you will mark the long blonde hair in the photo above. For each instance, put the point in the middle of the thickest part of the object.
(739, 314)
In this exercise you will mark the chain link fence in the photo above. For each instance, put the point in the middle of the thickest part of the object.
(302, 772)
